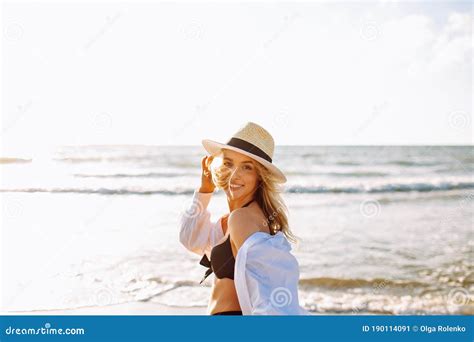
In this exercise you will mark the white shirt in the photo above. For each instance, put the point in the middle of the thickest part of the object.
(266, 274)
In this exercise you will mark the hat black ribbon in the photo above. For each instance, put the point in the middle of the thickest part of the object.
(249, 147)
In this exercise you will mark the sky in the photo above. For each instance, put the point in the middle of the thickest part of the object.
(312, 73)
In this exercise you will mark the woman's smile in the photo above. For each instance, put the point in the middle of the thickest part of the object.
(235, 187)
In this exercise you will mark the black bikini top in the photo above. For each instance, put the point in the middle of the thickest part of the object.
(222, 261)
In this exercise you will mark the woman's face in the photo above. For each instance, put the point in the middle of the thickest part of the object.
(243, 180)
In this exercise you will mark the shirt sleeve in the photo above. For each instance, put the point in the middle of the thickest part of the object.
(266, 277)
(197, 233)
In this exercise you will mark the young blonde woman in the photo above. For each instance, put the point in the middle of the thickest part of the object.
(248, 249)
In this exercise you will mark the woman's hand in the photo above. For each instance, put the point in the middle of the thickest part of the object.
(206, 177)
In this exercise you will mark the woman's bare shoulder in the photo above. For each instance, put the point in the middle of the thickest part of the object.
(242, 223)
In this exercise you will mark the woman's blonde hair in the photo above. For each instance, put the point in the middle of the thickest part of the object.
(267, 195)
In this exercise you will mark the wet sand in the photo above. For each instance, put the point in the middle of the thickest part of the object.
(133, 308)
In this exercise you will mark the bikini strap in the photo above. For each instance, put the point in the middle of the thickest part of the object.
(247, 204)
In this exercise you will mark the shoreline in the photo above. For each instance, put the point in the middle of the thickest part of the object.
(131, 308)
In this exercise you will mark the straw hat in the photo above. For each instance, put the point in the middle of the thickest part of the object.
(253, 141)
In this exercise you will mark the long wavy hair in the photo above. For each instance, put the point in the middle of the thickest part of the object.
(267, 195)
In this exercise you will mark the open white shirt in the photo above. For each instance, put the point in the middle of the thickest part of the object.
(266, 274)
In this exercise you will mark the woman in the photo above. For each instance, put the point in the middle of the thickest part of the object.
(247, 249)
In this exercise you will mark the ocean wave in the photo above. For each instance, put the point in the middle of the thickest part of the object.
(295, 189)
(427, 196)
(104, 191)
(336, 283)
(412, 163)
(383, 188)
(193, 174)
(339, 174)
(146, 160)
(79, 159)
(104, 159)
(137, 175)
(373, 301)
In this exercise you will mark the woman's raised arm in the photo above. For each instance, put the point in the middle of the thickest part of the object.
(197, 232)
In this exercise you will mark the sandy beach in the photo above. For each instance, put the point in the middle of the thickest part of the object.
(133, 308)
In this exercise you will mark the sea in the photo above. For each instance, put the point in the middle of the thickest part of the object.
(381, 229)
